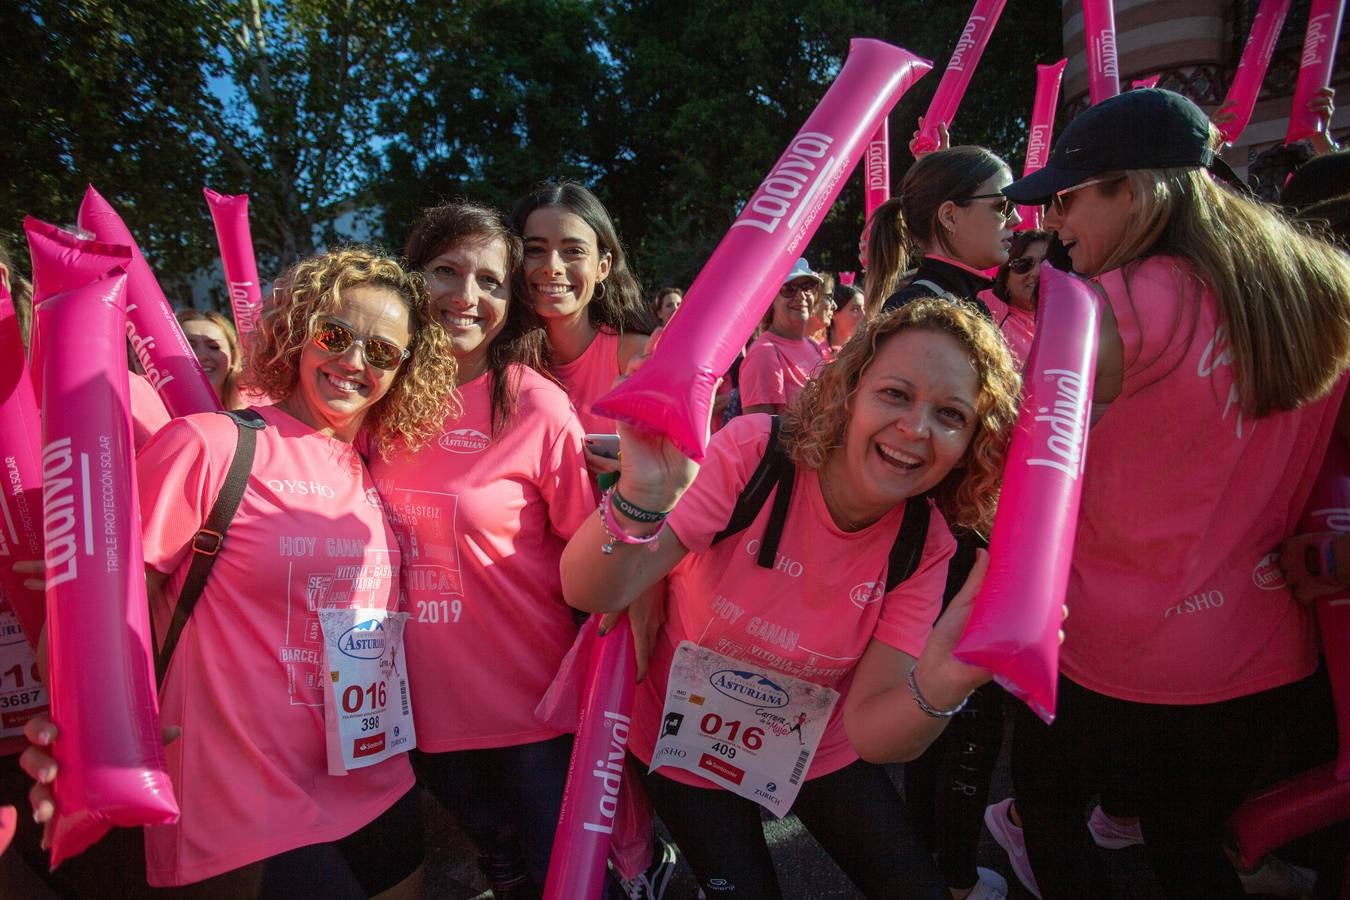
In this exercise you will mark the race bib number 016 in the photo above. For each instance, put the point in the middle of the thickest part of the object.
(22, 696)
(367, 711)
(752, 731)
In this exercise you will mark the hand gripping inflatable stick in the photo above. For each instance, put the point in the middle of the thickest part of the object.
(1314, 71)
(1014, 626)
(101, 679)
(672, 394)
(21, 481)
(168, 360)
(1048, 79)
(1099, 30)
(969, 48)
(1251, 71)
(590, 806)
(229, 213)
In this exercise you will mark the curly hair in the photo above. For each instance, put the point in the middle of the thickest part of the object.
(817, 419)
(411, 413)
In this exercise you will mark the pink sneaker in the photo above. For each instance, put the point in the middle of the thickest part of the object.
(1009, 837)
(1110, 834)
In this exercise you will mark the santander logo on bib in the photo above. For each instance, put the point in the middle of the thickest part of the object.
(463, 440)
(364, 640)
(750, 688)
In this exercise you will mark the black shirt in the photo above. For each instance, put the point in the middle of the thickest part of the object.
(954, 280)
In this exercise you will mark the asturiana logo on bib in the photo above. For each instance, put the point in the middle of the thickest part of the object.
(364, 640)
(463, 440)
(750, 688)
(867, 593)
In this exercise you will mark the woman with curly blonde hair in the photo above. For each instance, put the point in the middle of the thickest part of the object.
(903, 433)
(348, 342)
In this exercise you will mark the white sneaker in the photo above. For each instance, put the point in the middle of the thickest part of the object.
(1276, 878)
(652, 884)
(991, 886)
(1009, 837)
(1110, 834)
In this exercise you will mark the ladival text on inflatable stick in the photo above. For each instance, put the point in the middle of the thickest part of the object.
(672, 394)
(590, 806)
(969, 47)
(169, 363)
(877, 170)
(229, 213)
(100, 675)
(1099, 30)
(1251, 71)
(1329, 510)
(1048, 79)
(21, 481)
(1291, 809)
(1314, 71)
(1014, 626)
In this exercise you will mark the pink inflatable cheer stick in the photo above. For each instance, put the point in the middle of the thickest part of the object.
(1251, 70)
(229, 213)
(159, 344)
(21, 487)
(672, 394)
(1329, 510)
(1149, 81)
(969, 47)
(877, 170)
(590, 806)
(1099, 31)
(1289, 810)
(1314, 72)
(101, 682)
(848, 278)
(1014, 627)
(1048, 79)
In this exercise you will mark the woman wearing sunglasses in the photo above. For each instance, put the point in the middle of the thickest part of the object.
(1012, 299)
(950, 220)
(783, 358)
(482, 513)
(348, 344)
(1225, 335)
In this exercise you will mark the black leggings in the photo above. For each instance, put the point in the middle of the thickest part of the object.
(1194, 765)
(507, 799)
(856, 814)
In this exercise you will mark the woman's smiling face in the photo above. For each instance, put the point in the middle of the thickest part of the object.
(563, 262)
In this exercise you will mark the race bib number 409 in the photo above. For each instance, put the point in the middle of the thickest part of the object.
(367, 711)
(752, 731)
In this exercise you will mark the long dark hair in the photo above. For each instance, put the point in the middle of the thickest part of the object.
(521, 339)
(618, 305)
(1020, 242)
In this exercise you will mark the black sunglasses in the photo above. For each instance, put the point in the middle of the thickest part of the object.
(1022, 265)
(335, 337)
(1004, 209)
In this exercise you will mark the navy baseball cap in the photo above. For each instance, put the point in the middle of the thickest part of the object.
(1149, 128)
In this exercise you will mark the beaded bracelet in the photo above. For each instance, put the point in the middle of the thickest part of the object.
(616, 532)
(632, 511)
(928, 708)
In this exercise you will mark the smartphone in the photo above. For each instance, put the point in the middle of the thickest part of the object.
(606, 445)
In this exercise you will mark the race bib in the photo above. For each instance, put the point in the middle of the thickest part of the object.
(367, 712)
(22, 696)
(752, 731)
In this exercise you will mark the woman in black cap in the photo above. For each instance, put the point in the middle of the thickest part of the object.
(1225, 335)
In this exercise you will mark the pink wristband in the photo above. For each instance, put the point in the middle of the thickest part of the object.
(615, 530)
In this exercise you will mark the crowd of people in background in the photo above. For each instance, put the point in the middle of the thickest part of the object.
(444, 399)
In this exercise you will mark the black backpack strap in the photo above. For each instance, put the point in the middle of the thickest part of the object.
(907, 550)
(206, 544)
(756, 491)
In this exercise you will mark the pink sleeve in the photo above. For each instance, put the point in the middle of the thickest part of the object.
(732, 457)
(761, 378)
(909, 611)
(179, 474)
(148, 414)
(565, 482)
(1155, 315)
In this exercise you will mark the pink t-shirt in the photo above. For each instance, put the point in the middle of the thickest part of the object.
(589, 377)
(250, 770)
(811, 616)
(148, 414)
(483, 521)
(776, 369)
(1018, 325)
(1175, 593)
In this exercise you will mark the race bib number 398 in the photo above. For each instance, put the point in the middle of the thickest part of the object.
(367, 711)
(752, 731)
